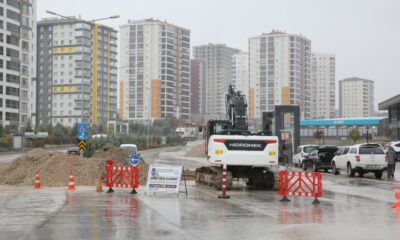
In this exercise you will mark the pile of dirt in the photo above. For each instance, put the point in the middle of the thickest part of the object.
(197, 151)
(54, 168)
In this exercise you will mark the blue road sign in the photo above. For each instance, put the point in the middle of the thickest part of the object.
(82, 127)
(82, 131)
(82, 135)
(134, 159)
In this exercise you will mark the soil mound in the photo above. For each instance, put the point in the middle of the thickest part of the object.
(54, 167)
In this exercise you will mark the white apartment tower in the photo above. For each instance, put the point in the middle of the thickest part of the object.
(218, 60)
(356, 97)
(323, 86)
(279, 72)
(155, 68)
(17, 62)
(77, 72)
(240, 73)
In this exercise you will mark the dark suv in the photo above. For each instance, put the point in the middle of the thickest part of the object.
(320, 158)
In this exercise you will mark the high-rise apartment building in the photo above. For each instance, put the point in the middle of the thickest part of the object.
(218, 60)
(280, 72)
(197, 86)
(323, 86)
(356, 97)
(155, 70)
(17, 62)
(240, 73)
(77, 72)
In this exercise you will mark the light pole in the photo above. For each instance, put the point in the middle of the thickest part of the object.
(82, 49)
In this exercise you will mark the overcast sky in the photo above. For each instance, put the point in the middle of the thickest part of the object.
(364, 34)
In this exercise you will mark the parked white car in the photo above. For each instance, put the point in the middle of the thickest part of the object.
(395, 146)
(339, 155)
(361, 158)
(301, 152)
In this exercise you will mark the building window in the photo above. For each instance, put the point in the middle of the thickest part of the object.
(12, 15)
(13, 40)
(12, 116)
(13, 27)
(14, 3)
(12, 91)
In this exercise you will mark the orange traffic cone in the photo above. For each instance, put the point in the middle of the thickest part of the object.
(71, 183)
(37, 181)
(396, 196)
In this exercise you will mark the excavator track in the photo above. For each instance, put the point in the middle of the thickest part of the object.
(212, 177)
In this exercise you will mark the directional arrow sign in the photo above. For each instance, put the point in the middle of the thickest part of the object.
(134, 159)
(82, 145)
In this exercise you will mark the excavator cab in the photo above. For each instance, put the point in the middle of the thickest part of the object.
(216, 127)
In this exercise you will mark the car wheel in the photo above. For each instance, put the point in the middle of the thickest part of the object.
(361, 173)
(334, 170)
(350, 171)
(378, 174)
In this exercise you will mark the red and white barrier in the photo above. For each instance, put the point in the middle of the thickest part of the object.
(121, 177)
(300, 184)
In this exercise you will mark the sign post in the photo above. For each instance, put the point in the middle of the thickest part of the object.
(82, 129)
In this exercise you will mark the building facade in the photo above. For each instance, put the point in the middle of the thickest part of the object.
(77, 72)
(279, 72)
(323, 86)
(392, 105)
(240, 73)
(218, 60)
(197, 86)
(356, 97)
(341, 127)
(156, 70)
(17, 62)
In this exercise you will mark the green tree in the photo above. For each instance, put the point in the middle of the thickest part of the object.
(28, 126)
(1, 130)
(354, 135)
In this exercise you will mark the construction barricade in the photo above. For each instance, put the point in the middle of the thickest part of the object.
(121, 177)
(302, 184)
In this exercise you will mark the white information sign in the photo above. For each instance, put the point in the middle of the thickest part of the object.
(164, 178)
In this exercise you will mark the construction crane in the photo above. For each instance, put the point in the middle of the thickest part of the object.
(229, 142)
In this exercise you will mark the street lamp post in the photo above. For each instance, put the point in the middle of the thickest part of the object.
(82, 49)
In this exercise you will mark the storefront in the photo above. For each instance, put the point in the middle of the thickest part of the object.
(340, 127)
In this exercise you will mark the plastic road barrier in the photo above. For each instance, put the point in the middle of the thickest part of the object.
(121, 177)
(307, 184)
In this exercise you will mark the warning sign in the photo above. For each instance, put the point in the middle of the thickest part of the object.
(164, 178)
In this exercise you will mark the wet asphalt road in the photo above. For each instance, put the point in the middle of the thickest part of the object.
(348, 210)
(351, 208)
